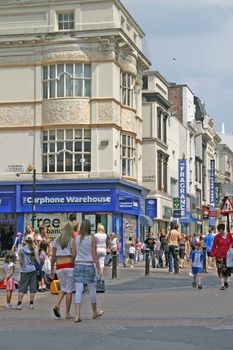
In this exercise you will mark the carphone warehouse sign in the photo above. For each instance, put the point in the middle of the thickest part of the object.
(182, 187)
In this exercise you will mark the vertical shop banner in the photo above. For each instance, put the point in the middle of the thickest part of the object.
(182, 187)
(212, 183)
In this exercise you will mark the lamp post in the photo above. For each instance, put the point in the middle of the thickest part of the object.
(33, 173)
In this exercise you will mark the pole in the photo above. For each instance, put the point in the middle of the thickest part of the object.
(114, 264)
(33, 195)
(228, 223)
(147, 262)
(204, 260)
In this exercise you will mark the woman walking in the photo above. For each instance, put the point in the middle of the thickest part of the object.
(85, 254)
(101, 239)
(62, 254)
(222, 242)
(28, 259)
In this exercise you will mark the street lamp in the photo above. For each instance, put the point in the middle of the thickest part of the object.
(33, 173)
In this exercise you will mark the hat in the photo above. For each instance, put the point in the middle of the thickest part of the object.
(19, 234)
(29, 238)
(197, 242)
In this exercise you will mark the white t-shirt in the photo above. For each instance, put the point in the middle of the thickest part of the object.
(131, 250)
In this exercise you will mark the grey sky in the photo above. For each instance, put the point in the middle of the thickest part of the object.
(199, 35)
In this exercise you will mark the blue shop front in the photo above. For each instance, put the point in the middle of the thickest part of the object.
(119, 205)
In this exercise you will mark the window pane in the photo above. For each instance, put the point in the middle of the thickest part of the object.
(60, 146)
(78, 163)
(45, 73)
(51, 134)
(45, 147)
(45, 90)
(87, 134)
(60, 69)
(52, 71)
(69, 69)
(124, 139)
(52, 89)
(69, 146)
(45, 135)
(87, 70)
(69, 86)
(87, 146)
(78, 146)
(60, 86)
(87, 163)
(78, 134)
(52, 163)
(78, 70)
(69, 134)
(60, 166)
(60, 134)
(45, 168)
(87, 88)
(78, 87)
(68, 162)
(52, 147)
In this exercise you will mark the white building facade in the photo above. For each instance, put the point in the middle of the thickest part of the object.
(70, 107)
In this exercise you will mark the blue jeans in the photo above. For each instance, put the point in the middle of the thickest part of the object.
(173, 260)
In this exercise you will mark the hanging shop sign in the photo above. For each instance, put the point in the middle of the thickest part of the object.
(182, 187)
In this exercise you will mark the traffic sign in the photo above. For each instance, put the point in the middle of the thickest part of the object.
(227, 206)
(176, 203)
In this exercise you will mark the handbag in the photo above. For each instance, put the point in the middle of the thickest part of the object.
(229, 259)
(100, 285)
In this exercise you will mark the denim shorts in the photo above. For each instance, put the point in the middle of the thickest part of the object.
(84, 273)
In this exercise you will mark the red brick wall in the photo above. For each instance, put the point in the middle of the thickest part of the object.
(175, 97)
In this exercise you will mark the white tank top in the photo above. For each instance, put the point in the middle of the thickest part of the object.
(84, 249)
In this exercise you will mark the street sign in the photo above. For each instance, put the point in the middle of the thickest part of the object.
(213, 213)
(176, 203)
(227, 206)
(176, 213)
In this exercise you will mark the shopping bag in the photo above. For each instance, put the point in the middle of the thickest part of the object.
(2, 284)
(229, 260)
(100, 285)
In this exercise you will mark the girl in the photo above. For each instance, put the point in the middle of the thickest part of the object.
(132, 254)
(101, 239)
(8, 271)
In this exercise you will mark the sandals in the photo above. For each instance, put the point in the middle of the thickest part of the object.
(99, 314)
(78, 320)
(56, 312)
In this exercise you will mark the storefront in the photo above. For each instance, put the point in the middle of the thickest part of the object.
(117, 204)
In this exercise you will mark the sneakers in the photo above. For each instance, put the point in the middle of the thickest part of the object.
(199, 286)
(18, 307)
(225, 284)
(194, 284)
(222, 288)
(31, 306)
(8, 306)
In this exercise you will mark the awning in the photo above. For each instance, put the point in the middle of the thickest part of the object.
(145, 220)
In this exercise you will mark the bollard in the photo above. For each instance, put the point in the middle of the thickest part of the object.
(204, 260)
(147, 261)
(176, 259)
(114, 264)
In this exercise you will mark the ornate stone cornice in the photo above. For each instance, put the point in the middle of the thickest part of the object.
(17, 115)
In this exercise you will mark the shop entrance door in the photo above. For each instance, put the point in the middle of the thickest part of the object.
(7, 231)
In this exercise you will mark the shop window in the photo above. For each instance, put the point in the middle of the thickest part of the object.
(66, 80)
(66, 150)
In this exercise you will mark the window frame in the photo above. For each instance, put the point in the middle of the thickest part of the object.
(60, 154)
(128, 154)
(127, 89)
(70, 22)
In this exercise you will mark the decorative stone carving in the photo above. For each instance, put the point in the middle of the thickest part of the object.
(108, 112)
(67, 56)
(68, 111)
(128, 63)
(16, 115)
(128, 121)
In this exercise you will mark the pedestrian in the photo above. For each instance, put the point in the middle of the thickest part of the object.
(127, 244)
(221, 244)
(150, 244)
(76, 229)
(138, 253)
(196, 258)
(181, 251)
(8, 276)
(62, 255)
(42, 255)
(163, 253)
(208, 242)
(173, 249)
(84, 251)
(28, 259)
(17, 244)
(132, 251)
(101, 241)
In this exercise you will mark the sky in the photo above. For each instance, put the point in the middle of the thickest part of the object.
(191, 42)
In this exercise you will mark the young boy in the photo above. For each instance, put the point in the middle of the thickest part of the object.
(196, 257)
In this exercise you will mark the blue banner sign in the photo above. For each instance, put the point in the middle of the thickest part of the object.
(151, 207)
(212, 183)
(182, 187)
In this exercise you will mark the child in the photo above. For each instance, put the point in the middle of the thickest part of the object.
(8, 271)
(42, 256)
(196, 257)
(131, 254)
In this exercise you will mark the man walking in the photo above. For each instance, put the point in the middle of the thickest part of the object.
(173, 249)
(208, 240)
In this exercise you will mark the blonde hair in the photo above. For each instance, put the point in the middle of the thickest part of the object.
(66, 234)
(100, 228)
